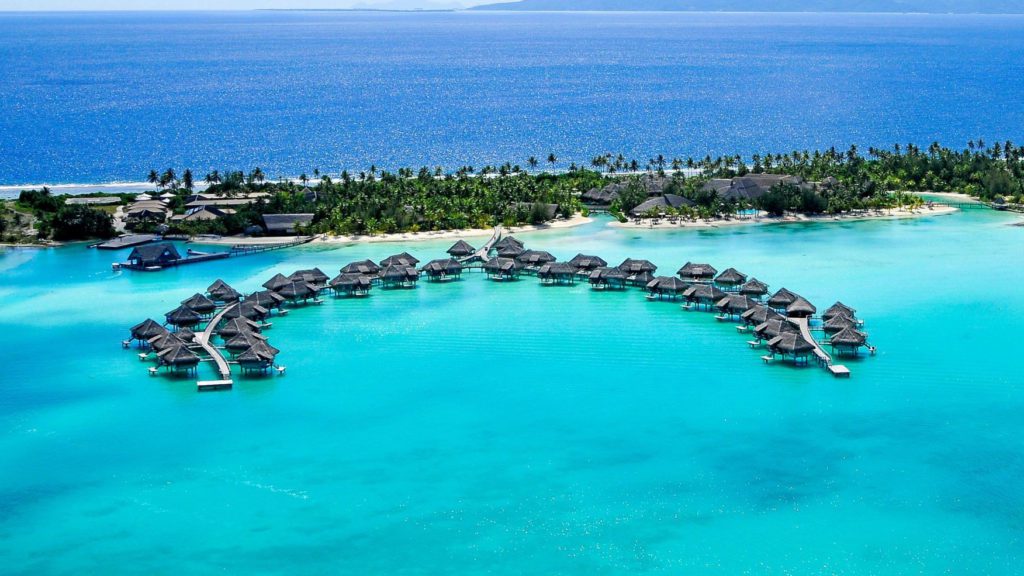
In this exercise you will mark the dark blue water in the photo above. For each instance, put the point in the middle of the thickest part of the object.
(106, 97)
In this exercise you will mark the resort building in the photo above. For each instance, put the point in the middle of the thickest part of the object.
(153, 256)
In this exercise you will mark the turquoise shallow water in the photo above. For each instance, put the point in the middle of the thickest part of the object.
(512, 428)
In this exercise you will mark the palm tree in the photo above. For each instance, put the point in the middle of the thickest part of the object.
(257, 175)
(153, 177)
(532, 161)
(186, 179)
(552, 159)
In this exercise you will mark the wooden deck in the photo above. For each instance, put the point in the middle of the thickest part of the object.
(203, 339)
(823, 357)
(481, 255)
(127, 241)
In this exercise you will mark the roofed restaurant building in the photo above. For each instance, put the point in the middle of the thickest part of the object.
(153, 256)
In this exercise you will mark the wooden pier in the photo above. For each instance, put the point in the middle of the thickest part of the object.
(203, 339)
(824, 358)
(483, 253)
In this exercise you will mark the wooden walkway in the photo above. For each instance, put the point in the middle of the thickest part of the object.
(482, 254)
(203, 339)
(823, 357)
(246, 250)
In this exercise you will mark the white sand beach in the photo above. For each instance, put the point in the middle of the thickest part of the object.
(664, 224)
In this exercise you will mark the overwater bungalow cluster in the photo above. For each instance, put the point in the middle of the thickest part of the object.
(222, 322)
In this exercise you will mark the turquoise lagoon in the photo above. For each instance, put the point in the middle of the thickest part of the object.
(476, 427)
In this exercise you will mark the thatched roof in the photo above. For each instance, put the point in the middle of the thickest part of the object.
(365, 267)
(258, 353)
(183, 316)
(704, 293)
(790, 343)
(774, 327)
(849, 337)
(167, 340)
(640, 278)
(667, 284)
(502, 265)
(403, 259)
(352, 282)
(508, 241)
(200, 304)
(754, 287)
(556, 270)
(222, 291)
(399, 273)
(237, 325)
(800, 308)
(838, 323)
(277, 282)
(585, 262)
(735, 303)
(631, 266)
(249, 310)
(297, 291)
(697, 271)
(759, 314)
(443, 266)
(509, 250)
(460, 249)
(606, 274)
(535, 257)
(178, 356)
(266, 298)
(839, 309)
(313, 276)
(782, 298)
(147, 329)
(243, 341)
(731, 277)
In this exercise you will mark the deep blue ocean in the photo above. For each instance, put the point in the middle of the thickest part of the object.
(91, 98)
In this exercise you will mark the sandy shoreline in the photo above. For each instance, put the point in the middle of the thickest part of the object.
(764, 220)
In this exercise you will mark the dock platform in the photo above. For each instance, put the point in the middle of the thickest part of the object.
(127, 241)
(210, 385)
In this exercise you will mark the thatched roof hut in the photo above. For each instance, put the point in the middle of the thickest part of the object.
(838, 323)
(260, 355)
(557, 273)
(168, 340)
(404, 259)
(295, 291)
(631, 266)
(266, 298)
(502, 268)
(443, 269)
(364, 267)
(397, 275)
(147, 329)
(277, 282)
(352, 284)
(800, 308)
(667, 286)
(183, 316)
(583, 262)
(535, 257)
(759, 314)
(243, 341)
(178, 357)
(754, 288)
(791, 344)
(735, 304)
(731, 277)
(848, 338)
(508, 241)
(782, 298)
(697, 272)
(236, 326)
(221, 291)
(509, 251)
(461, 249)
(707, 294)
(774, 327)
(606, 277)
(250, 310)
(314, 276)
(200, 304)
(839, 309)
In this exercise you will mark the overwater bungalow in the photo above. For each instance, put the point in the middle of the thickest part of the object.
(169, 340)
(800, 308)
(404, 259)
(792, 345)
(364, 267)
(351, 285)
(201, 304)
(247, 309)
(145, 330)
(153, 257)
(236, 326)
(782, 299)
(666, 287)
(183, 317)
(754, 288)
(774, 327)
(243, 341)
(293, 292)
(704, 294)
(735, 305)
(178, 358)
(535, 258)
(638, 272)
(759, 314)
(313, 277)
(839, 309)
(443, 270)
(398, 276)
(267, 299)
(584, 263)
(502, 269)
(221, 291)
(258, 358)
(730, 280)
(848, 342)
(277, 282)
(697, 272)
(461, 249)
(509, 250)
(508, 241)
(608, 279)
(557, 273)
(838, 323)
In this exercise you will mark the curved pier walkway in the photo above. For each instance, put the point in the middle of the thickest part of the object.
(485, 250)
(824, 357)
(204, 340)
